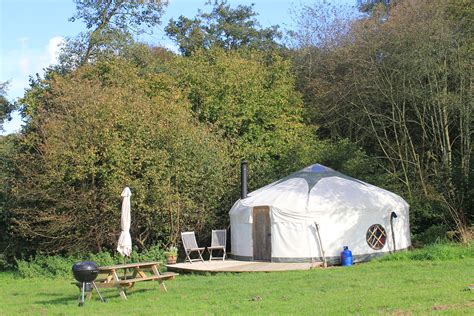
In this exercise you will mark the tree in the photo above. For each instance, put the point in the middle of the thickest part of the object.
(400, 87)
(369, 5)
(96, 130)
(224, 27)
(6, 107)
(249, 98)
(110, 24)
(7, 148)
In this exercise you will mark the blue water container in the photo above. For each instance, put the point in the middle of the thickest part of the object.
(346, 257)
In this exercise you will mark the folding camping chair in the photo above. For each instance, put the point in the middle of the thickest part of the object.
(218, 242)
(190, 246)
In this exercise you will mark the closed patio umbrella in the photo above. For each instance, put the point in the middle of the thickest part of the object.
(125, 241)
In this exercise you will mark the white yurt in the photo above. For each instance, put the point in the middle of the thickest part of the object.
(315, 212)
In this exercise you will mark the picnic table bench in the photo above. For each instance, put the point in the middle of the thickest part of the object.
(124, 276)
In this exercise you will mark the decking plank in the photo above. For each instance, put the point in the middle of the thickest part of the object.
(236, 266)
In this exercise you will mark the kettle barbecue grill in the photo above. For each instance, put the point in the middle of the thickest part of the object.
(85, 273)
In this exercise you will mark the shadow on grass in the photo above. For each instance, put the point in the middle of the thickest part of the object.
(63, 300)
(108, 295)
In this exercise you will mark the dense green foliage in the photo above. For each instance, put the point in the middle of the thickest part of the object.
(399, 85)
(390, 287)
(385, 97)
(249, 99)
(91, 133)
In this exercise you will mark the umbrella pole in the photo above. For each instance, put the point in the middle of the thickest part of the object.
(124, 270)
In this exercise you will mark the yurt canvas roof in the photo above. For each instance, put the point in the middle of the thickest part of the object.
(316, 189)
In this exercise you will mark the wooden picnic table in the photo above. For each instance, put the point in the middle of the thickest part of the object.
(124, 276)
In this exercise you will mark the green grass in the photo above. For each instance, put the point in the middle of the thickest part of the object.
(380, 287)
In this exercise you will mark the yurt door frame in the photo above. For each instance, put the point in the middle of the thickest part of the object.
(261, 233)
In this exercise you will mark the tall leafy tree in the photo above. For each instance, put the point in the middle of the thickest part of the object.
(249, 98)
(225, 27)
(400, 85)
(110, 25)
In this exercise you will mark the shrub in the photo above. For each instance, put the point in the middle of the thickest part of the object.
(46, 266)
(434, 252)
(5, 264)
(434, 234)
(153, 253)
(60, 266)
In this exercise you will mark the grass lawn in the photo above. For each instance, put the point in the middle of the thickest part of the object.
(380, 287)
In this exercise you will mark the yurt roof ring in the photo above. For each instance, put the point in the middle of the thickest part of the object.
(314, 173)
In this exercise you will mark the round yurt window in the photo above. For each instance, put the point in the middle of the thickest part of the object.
(376, 236)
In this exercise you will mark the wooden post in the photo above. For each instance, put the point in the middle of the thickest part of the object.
(325, 264)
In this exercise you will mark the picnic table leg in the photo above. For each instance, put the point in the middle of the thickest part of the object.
(163, 286)
(141, 273)
(109, 277)
(155, 270)
(157, 273)
(121, 292)
(136, 271)
(119, 287)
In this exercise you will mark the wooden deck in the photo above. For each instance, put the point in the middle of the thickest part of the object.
(229, 265)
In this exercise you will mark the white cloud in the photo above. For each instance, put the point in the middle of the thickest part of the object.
(54, 48)
(18, 64)
(23, 61)
(12, 126)
(170, 45)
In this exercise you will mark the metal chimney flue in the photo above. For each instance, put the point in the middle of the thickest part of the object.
(243, 179)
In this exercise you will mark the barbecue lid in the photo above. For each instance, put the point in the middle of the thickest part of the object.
(84, 266)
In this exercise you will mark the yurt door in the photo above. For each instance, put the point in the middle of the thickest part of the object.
(262, 242)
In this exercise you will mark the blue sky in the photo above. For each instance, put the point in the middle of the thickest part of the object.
(31, 30)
